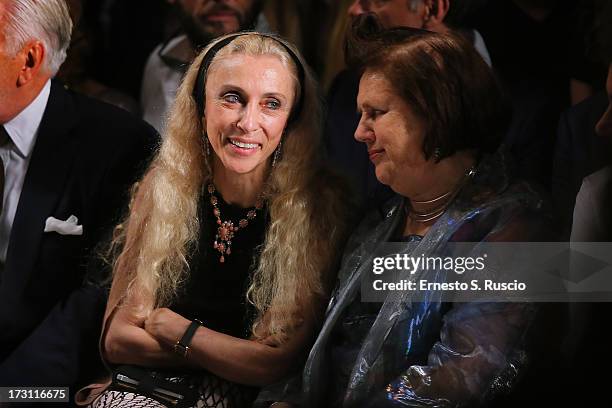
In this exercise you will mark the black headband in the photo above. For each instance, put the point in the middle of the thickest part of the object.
(198, 90)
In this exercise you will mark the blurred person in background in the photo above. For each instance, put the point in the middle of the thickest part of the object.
(579, 149)
(592, 222)
(201, 21)
(593, 211)
(349, 156)
(530, 43)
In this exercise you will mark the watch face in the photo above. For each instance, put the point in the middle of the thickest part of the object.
(180, 349)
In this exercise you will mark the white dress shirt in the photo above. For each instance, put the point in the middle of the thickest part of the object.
(22, 131)
(587, 224)
(160, 81)
(481, 47)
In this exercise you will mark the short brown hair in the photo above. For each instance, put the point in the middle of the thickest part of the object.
(443, 79)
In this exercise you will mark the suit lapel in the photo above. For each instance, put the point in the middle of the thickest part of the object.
(52, 157)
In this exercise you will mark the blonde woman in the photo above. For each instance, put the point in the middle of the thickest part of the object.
(235, 224)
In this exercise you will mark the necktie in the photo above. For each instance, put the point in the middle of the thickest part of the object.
(4, 138)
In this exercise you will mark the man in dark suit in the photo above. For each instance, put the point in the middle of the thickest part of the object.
(67, 165)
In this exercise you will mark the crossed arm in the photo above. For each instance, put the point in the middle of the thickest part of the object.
(133, 338)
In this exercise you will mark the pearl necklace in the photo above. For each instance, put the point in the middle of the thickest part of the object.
(226, 230)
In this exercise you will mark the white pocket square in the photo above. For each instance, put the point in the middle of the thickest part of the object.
(68, 227)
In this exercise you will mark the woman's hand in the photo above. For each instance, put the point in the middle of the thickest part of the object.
(166, 326)
(135, 337)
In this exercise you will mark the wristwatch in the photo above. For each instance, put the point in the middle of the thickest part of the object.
(181, 347)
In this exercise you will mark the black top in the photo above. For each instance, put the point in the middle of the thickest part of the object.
(215, 292)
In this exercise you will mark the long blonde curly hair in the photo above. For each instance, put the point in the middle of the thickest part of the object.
(307, 205)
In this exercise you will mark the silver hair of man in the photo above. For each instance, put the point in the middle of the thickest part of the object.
(47, 21)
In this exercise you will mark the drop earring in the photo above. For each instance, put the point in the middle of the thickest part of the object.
(437, 155)
(207, 160)
(205, 137)
(277, 153)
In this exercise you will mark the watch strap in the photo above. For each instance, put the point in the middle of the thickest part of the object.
(182, 345)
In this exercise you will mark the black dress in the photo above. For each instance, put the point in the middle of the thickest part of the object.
(215, 292)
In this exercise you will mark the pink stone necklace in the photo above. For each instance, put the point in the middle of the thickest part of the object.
(226, 230)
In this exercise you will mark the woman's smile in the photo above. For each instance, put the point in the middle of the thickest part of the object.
(243, 147)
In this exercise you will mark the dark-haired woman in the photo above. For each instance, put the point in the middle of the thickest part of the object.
(432, 119)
